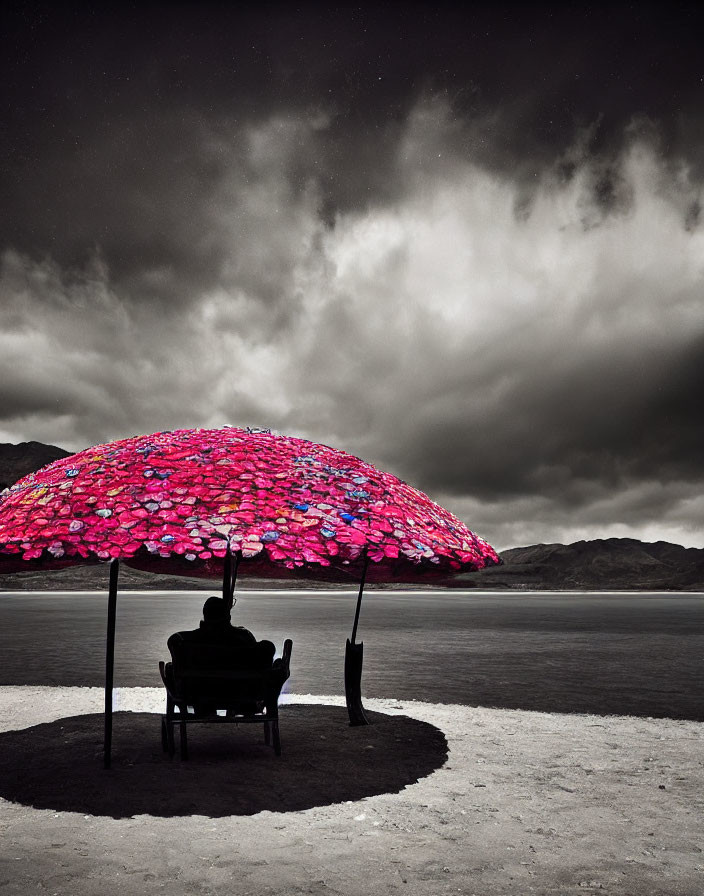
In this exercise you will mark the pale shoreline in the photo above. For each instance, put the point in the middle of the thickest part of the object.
(526, 802)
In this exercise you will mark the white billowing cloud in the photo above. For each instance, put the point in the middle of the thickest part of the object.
(650, 511)
(463, 313)
(517, 358)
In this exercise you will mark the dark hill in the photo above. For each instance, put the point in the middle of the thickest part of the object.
(17, 461)
(611, 564)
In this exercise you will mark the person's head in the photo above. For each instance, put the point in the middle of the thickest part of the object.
(215, 609)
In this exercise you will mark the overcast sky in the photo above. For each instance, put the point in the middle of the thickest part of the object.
(465, 246)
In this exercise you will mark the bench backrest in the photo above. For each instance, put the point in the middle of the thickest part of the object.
(224, 674)
(204, 656)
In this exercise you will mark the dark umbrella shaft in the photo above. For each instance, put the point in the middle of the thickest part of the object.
(110, 660)
(354, 657)
(229, 577)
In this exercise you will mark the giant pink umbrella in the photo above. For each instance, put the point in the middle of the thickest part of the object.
(205, 502)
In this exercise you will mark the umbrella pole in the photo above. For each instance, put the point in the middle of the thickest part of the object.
(226, 575)
(354, 656)
(229, 577)
(110, 660)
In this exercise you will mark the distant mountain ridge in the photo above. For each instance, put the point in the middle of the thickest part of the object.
(17, 461)
(611, 564)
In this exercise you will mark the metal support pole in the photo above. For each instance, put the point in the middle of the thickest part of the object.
(110, 660)
(229, 576)
(226, 575)
(359, 597)
(354, 657)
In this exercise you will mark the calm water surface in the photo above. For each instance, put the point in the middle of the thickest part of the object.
(639, 654)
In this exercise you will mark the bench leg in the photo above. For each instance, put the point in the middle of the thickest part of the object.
(184, 740)
(277, 739)
(168, 729)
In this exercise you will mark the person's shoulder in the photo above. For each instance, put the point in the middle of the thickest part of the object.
(194, 635)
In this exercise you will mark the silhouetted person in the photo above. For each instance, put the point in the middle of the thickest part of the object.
(217, 630)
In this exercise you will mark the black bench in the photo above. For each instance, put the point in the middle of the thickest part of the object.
(219, 684)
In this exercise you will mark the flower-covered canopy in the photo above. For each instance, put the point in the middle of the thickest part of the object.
(178, 501)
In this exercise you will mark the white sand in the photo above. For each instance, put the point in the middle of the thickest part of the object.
(526, 803)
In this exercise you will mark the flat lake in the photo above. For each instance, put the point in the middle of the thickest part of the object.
(609, 653)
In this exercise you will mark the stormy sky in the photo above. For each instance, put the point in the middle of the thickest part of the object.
(464, 244)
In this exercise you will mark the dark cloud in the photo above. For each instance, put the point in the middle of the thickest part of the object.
(627, 417)
(93, 100)
(122, 126)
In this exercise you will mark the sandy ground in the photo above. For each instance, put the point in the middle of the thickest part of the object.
(509, 802)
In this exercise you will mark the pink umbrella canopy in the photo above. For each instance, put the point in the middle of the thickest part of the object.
(179, 501)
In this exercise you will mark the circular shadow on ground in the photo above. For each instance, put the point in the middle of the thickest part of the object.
(230, 771)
